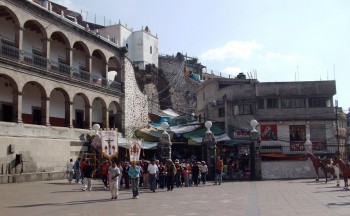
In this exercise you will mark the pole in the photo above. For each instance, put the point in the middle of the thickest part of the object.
(336, 125)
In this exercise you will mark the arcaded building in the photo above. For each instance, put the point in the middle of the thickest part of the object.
(57, 79)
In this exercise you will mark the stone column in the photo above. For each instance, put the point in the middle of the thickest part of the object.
(89, 65)
(19, 42)
(105, 117)
(47, 111)
(47, 47)
(19, 107)
(88, 117)
(71, 110)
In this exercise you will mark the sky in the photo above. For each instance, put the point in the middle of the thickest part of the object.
(273, 40)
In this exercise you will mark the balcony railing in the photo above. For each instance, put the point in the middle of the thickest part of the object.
(55, 68)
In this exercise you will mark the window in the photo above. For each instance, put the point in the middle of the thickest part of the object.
(221, 112)
(261, 103)
(245, 109)
(319, 102)
(293, 103)
(297, 132)
(272, 103)
(150, 49)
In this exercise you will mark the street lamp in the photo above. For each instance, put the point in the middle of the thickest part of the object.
(165, 125)
(255, 164)
(209, 143)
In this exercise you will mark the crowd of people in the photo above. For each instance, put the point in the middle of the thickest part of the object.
(151, 175)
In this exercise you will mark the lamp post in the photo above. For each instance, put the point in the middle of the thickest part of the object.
(166, 136)
(209, 144)
(255, 163)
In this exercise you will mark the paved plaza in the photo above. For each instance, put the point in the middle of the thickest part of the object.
(268, 198)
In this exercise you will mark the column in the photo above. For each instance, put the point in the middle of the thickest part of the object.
(105, 117)
(47, 111)
(89, 65)
(70, 53)
(19, 107)
(88, 117)
(19, 42)
(71, 110)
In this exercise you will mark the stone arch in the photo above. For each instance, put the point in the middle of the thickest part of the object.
(115, 116)
(34, 41)
(34, 103)
(81, 56)
(115, 65)
(81, 111)
(99, 112)
(8, 99)
(9, 27)
(59, 52)
(59, 108)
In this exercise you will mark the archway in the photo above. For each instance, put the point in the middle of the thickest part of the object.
(81, 111)
(59, 108)
(34, 109)
(8, 99)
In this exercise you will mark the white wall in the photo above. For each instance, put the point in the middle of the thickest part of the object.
(98, 67)
(78, 104)
(57, 50)
(32, 40)
(79, 58)
(96, 111)
(57, 104)
(7, 29)
(31, 98)
(5, 91)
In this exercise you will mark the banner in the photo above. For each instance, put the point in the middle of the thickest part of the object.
(135, 150)
(109, 141)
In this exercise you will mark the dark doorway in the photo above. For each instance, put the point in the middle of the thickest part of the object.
(7, 113)
(79, 118)
(111, 120)
(37, 116)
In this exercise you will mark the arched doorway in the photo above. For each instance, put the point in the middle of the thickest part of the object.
(34, 104)
(59, 108)
(8, 99)
(115, 116)
(81, 111)
(99, 112)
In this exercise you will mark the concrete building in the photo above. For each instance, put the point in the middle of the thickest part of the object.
(142, 46)
(58, 78)
(286, 112)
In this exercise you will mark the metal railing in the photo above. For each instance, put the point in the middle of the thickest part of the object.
(55, 68)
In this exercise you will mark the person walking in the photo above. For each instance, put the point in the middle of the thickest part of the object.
(195, 173)
(126, 175)
(170, 171)
(161, 171)
(77, 170)
(134, 173)
(87, 171)
(70, 170)
(113, 172)
(219, 167)
(104, 173)
(153, 171)
(204, 171)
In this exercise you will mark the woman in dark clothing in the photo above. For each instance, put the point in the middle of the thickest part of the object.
(195, 173)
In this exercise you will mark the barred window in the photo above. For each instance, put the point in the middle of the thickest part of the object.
(245, 109)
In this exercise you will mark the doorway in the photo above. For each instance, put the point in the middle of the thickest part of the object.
(7, 113)
(79, 118)
(36, 115)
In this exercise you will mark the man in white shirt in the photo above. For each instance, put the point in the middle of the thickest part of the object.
(153, 171)
(70, 170)
(204, 171)
(113, 172)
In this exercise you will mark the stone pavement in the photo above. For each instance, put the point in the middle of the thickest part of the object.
(267, 198)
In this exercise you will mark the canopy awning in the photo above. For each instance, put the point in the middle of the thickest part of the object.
(199, 133)
(198, 140)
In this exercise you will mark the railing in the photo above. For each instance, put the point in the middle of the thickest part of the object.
(9, 52)
(55, 68)
(296, 151)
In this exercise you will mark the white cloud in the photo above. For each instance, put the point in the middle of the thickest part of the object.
(232, 70)
(232, 50)
(271, 56)
(67, 3)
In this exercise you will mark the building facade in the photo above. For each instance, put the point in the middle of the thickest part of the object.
(57, 79)
(286, 112)
(142, 46)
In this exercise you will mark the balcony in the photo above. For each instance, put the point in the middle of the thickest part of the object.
(58, 70)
